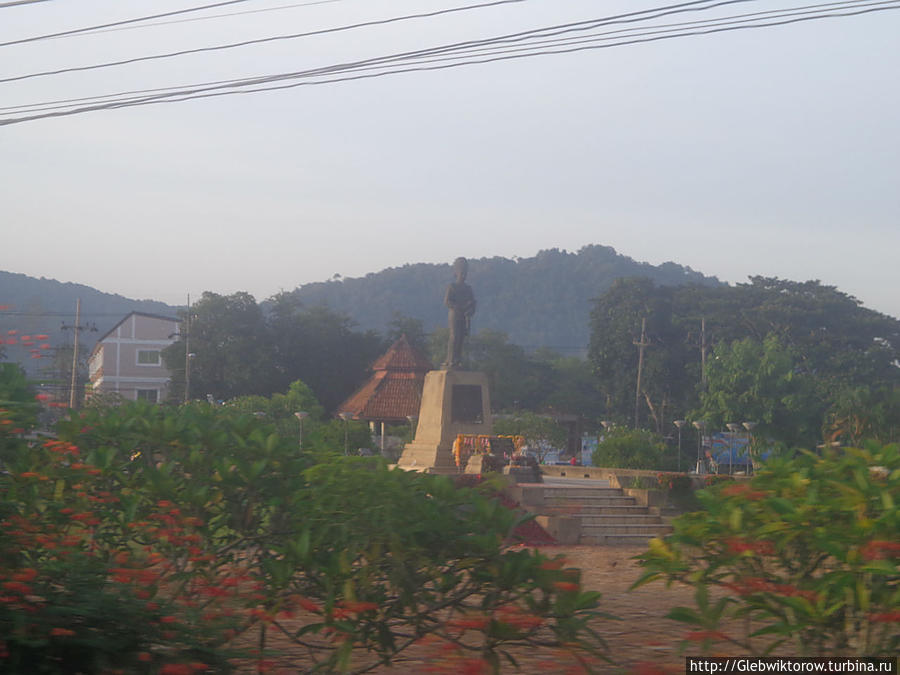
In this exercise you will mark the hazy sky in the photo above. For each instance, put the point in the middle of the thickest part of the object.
(771, 151)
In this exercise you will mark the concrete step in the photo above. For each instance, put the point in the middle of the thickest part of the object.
(622, 519)
(607, 516)
(619, 500)
(577, 492)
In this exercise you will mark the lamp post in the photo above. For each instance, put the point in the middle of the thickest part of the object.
(699, 425)
(679, 424)
(346, 416)
(301, 415)
(750, 426)
(733, 428)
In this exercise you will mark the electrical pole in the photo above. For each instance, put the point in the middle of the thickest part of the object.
(703, 353)
(76, 328)
(640, 345)
(187, 352)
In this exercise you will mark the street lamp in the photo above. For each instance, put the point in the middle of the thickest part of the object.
(346, 416)
(679, 424)
(301, 415)
(733, 428)
(699, 425)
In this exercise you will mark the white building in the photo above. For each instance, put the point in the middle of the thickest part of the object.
(127, 360)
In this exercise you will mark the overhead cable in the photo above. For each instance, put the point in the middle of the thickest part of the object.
(14, 3)
(460, 54)
(75, 31)
(245, 43)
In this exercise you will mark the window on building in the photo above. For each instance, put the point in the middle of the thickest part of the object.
(151, 395)
(148, 357)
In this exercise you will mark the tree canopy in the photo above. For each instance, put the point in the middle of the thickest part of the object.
(816, 342)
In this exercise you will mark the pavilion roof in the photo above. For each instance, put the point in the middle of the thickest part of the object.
(394, 391)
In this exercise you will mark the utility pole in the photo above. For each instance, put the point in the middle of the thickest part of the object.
(641, 346)
(703, 353)
(187, 352)
(75, 330)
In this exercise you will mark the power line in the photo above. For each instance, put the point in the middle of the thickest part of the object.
(245, 43)
(215, 16)
(694, 5)
(3, 5)
(75, 31)
(390, 64)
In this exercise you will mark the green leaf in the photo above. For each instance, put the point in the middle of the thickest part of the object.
(685, 615)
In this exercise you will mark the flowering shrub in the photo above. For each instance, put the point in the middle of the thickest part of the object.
(804, 554)
(154, 540)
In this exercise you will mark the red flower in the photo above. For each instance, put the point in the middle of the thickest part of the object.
(553, 564)
(27, 574)
(357, 607)
(885, 617)
(565, 586)
(470, 622)
(880, 549)
(176, 669)
(61, 632)
(737, 545)
(307, 604)
(42, 397)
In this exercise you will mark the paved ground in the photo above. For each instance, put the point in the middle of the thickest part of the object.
(641, 637)
(642, 640)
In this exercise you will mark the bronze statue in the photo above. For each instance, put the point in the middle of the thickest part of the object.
(460, 303)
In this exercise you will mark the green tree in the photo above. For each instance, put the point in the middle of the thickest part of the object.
(633, 449)
(192, 532)
(320, 347)
(669, 373)
(231, 346)
(18, 408)
(860, 413)
(413, 329)
(803, 556)
(761, 382)
(835, 343)
(517, 380)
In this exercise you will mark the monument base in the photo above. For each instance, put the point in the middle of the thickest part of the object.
(453, 402)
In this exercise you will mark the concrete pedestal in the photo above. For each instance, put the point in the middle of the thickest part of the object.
(453, 402)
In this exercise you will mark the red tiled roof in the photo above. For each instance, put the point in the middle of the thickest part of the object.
(394, 391)
(402, 356)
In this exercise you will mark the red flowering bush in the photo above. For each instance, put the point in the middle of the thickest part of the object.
(805, 553)
(153, 540)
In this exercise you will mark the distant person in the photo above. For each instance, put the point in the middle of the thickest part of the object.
(573, 461)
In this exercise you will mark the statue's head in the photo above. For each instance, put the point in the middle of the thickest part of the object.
(460, 268)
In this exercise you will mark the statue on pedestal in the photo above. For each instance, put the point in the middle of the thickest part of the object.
(460, 301)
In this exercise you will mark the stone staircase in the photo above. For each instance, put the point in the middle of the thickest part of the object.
(607, 515)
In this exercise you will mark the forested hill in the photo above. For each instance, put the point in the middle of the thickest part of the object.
(544, 301)
(43, 306)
